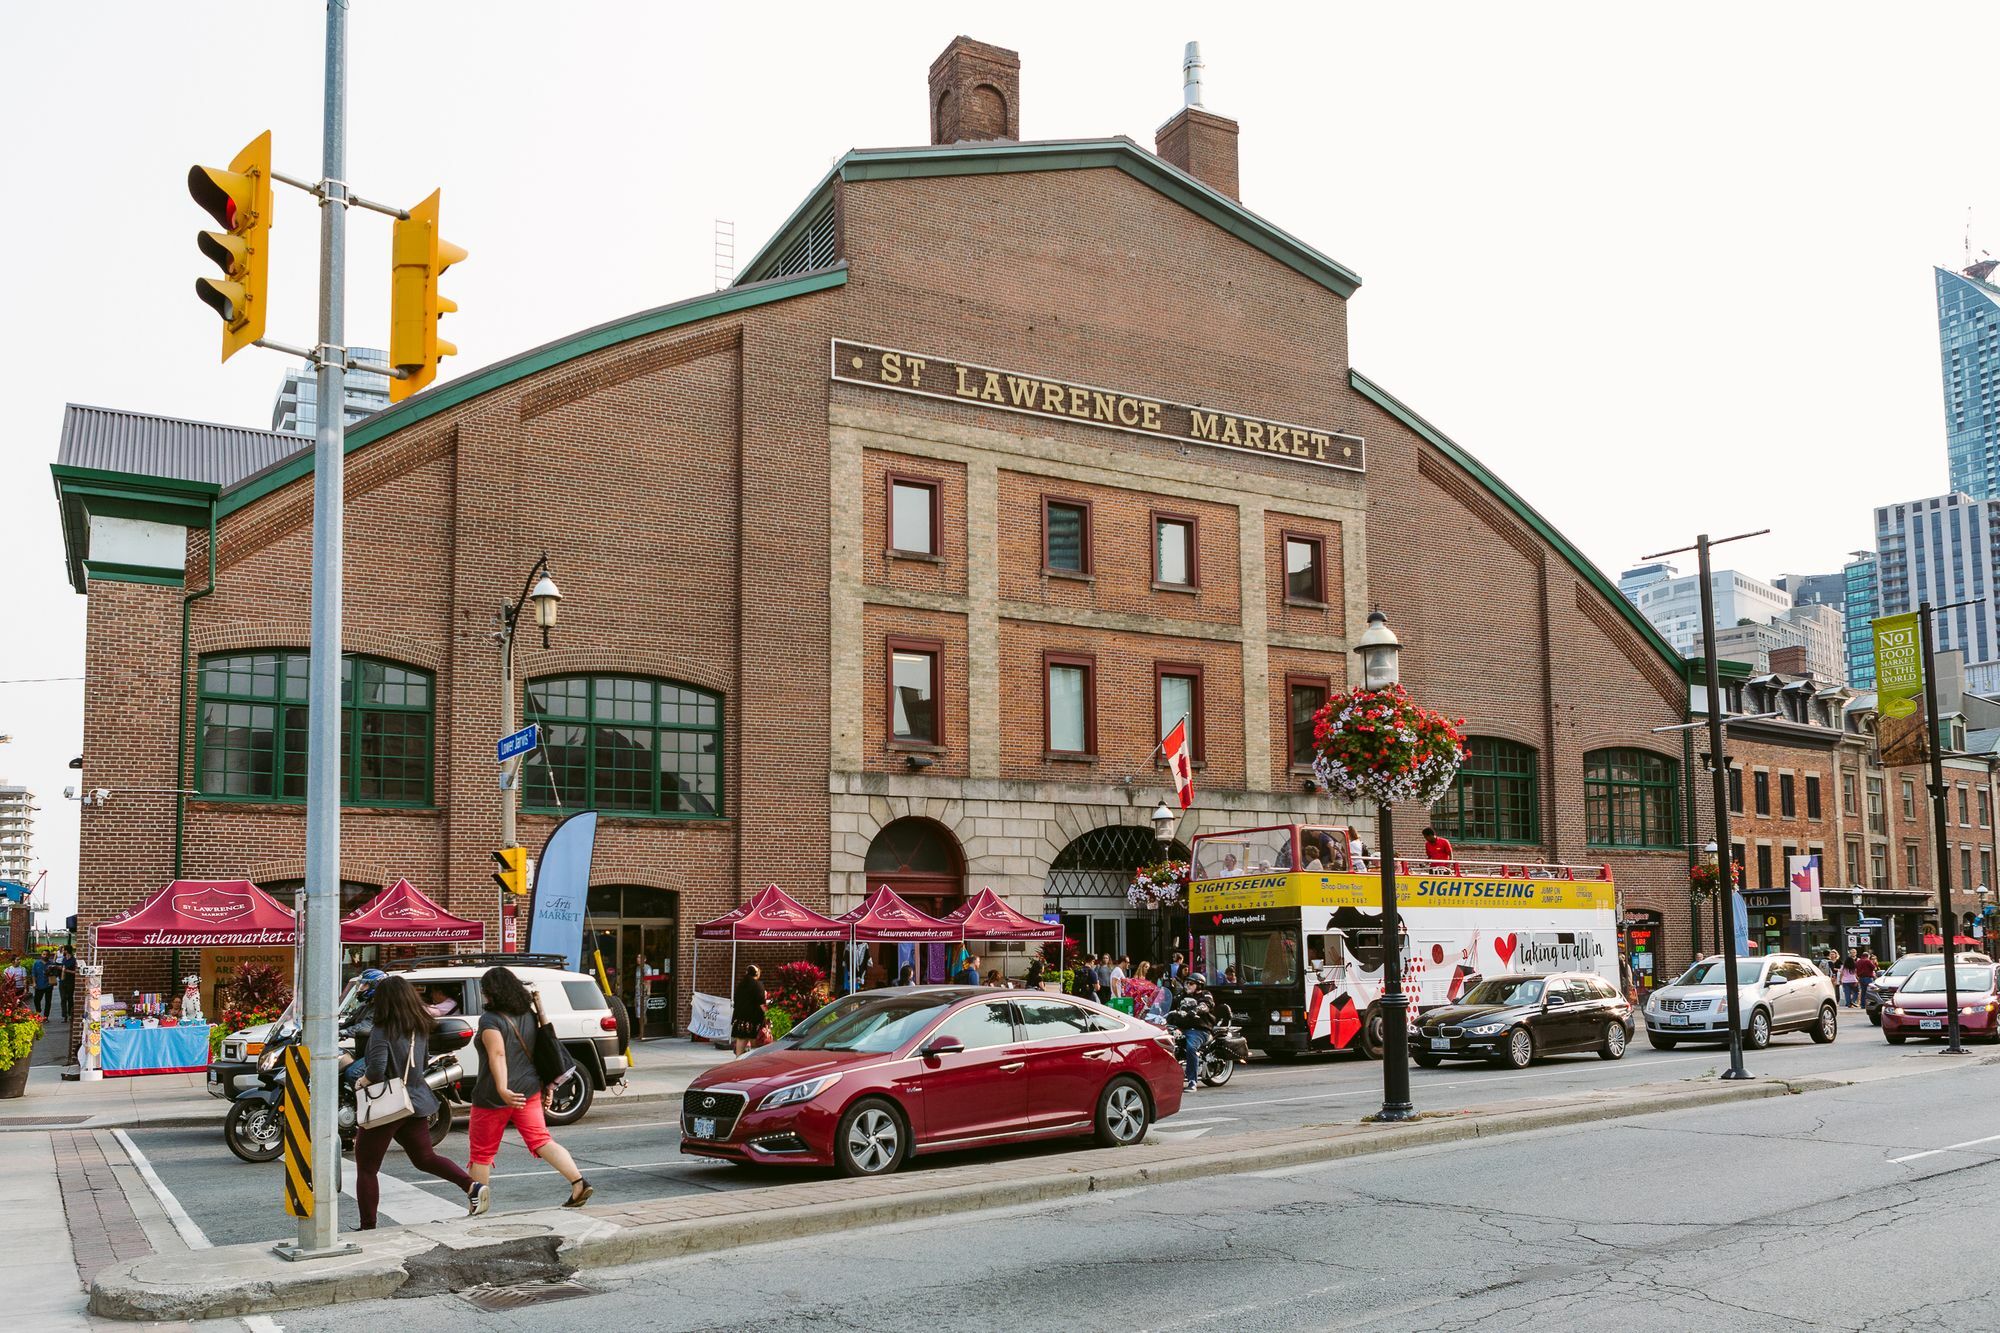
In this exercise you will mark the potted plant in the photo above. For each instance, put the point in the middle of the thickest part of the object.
(19, 1026)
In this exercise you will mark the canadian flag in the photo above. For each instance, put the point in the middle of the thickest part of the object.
(1178, 763)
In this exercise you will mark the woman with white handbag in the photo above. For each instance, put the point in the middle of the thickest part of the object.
(392, 1102)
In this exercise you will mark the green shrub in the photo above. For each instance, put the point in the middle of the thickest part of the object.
(780, 1021)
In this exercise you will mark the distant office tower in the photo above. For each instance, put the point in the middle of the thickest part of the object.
(1862, 605)
(1674, 604)
(1938, 550)
(1641, 577)
(296, 411)
(1807, 589)
(1815, 630)
(17, 831)
(1968, 310)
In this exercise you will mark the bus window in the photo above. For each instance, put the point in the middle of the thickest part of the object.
(1327, 845)
(1248, 958)
(1248, 852)
(1328, 950)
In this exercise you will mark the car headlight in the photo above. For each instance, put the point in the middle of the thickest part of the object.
(1968, 1009)
(1485, 1029)
(798, 1092)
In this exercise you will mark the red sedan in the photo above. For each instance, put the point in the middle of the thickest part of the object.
(1918, 1008)
(928, 1069)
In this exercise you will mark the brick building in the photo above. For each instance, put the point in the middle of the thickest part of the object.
(887, 564)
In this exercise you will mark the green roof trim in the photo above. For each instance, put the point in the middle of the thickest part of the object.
(455, 392)
(83, 491)
(1524, 511)
(103, 571)
(999, 157)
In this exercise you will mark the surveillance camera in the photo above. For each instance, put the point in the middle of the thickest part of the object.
(100, 795)
(69, 793)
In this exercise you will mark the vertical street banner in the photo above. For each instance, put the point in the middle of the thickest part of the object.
(562, 890)
(1899, 665)
(1804, 876)
(1740, 912)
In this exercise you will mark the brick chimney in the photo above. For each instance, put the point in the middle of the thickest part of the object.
(1197, 140)
(975, 92)
(1789, 660)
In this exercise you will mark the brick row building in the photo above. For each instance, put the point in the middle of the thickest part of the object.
(888, 564)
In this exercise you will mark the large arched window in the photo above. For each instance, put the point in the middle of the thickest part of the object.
(625, 745)
(250, 741)
(1630, 799)
(1494, 798)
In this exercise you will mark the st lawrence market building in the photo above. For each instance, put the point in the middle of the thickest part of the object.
(887, 564)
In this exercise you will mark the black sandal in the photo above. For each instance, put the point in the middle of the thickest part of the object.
(579, 1194)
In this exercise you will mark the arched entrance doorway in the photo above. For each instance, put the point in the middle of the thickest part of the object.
(920, 860)
(1087, 883)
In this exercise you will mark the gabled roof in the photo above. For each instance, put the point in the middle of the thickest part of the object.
(1002, 157)
(106, 439)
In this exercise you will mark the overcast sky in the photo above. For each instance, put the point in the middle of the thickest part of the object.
(1664, 268)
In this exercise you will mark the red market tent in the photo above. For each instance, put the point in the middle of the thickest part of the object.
(192, 913)
(985, 917)
(771, 914)
(1957, 941)
(402, 914)
(885, 916)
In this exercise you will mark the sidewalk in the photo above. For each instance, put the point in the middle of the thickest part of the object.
(662, 1070)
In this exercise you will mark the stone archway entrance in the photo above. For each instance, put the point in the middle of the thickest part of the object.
(1087, 883)
(921, 861)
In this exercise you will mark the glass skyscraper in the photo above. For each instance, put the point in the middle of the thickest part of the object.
(1968, 309)
(1946, 548)
(1862, 604)
(296, 411)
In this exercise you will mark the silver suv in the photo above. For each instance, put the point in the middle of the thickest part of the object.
(1780, 992)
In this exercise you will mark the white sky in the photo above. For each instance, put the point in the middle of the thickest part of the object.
(1662, 269)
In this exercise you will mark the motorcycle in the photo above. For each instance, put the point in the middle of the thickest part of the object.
(1225, 1048)
(254, 1126)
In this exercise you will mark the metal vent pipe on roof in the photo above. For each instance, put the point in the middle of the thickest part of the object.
(1191, 67)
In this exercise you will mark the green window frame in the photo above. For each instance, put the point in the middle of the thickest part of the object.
(250, 729)
(1494, 798)
(625, 745)
(1630, 799)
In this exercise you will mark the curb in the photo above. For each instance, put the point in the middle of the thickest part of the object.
(248, 1279)
(190, 1120)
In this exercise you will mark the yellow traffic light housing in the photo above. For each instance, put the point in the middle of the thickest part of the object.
(239, 199)
(420, 257)
(512, 874)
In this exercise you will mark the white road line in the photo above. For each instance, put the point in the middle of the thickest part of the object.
(1180, 1123)
(403, 1203)
(1949, 1147)
(1174, 1136)
(262, 1323)
(190, 1234)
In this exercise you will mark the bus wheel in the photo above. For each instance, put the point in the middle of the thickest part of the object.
(1369, 1039)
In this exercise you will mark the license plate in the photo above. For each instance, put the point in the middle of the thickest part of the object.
(1277, 1029)
(1440, 1043)
(1930, 1024)
(214, 1076)
(1678, 1020)
(704, 1129)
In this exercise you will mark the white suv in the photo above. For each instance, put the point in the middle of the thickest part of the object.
(1780, 992)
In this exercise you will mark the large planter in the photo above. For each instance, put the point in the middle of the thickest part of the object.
(14, 1078)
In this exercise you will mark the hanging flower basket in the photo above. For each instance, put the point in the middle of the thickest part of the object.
(1379, 746)
(1157, 886)
(1705, 878)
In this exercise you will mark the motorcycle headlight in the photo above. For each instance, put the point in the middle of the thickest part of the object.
(798, 1092)
(269, 1059)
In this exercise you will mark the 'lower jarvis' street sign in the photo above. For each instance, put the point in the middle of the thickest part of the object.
(522, 741)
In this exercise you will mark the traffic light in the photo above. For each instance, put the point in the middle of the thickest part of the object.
(420, 257)
(513, 872)
(239, 199)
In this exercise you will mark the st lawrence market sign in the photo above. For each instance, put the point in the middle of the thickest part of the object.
(1037, 396)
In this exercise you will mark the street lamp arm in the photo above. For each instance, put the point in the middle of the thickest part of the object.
(511, 612)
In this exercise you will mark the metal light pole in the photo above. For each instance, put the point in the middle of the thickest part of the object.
(1947, 919)
(546, 598)
(1379, 649)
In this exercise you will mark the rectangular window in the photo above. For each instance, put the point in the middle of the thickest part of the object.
(1849, 801)
(1305, 569)
(1736, 791)
(1493, 798)
(1985, 868)
(1985, 808)
(914, 686)
(1878, 821)
(1066, 536)
(1764, 865)
(1763, 786)
(1964, 806)
(1176, 563)
(1910, 864)
(1812, 796)
(1909, 800)
(1069, 704)
(1788, 796)
(913, 515)
(1878, 867)
(251, 741)
(1964, 868)
(1306, 695)
(1854, 863)
(1629, 799)
(1177, 695)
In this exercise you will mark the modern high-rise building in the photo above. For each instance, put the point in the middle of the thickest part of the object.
(1637, 579)
(1968, 308)
(1808, 589)
(1863, 603)
(17, 830)
(1817, 630)
(296, 411)
(1946, 548)
(1674, 604)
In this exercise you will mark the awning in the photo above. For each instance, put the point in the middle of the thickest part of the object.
(772, 914)
(402, 914)
(885, 916)
(985, 917)
(193, 913)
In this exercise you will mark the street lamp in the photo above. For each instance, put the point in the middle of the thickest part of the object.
(1163, 825)
(1380, 652)
(538, 591)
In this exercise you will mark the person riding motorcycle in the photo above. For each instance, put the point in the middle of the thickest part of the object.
(1194, 1016)
(361, 1022)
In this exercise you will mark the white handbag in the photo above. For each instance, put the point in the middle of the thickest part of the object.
(385, 1105)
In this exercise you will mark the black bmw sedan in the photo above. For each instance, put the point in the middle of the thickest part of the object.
(1511, 1020)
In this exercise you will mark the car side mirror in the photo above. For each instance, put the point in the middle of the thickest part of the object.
(937, 1046)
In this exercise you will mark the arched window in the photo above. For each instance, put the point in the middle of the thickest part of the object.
(625, 745)
(1494, 798)
(1630, 799)
(250, 737)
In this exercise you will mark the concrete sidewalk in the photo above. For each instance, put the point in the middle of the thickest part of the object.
(662, 1070)
(549, 1243)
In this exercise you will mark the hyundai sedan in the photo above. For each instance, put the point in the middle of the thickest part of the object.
(1919, 1008)
(918, 1070)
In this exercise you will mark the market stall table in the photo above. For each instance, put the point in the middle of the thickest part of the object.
(127, 1051)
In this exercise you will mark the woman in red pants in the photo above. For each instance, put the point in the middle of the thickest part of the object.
(508, 1091)
(398, 1047)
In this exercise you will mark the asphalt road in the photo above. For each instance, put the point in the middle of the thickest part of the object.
(632, 1151)
(1864, 1207)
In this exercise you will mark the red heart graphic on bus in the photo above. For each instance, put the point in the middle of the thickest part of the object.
(1504, 946)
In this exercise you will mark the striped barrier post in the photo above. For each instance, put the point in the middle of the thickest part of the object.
(298, 1141)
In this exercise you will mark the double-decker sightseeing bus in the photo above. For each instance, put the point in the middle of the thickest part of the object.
(1288, 929)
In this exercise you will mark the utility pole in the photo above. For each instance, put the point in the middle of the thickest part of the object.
(1947, 919)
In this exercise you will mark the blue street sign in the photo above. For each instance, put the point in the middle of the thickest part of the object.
(522, 741)
(1870, 921)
